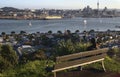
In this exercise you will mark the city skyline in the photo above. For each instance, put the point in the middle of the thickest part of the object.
(59, 4)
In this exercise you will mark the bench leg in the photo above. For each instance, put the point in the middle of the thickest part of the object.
(54, 74)
(103, 66)
(81, 68)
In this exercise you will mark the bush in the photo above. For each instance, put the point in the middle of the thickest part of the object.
(68, 47)
(30, 69)
(38, 55)
(113, 52)
(4, 64)
(65, 48)
(8, 57)
(110, 65)
(80, 47)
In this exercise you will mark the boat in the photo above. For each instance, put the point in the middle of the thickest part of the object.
(30, 24)
(52, 17)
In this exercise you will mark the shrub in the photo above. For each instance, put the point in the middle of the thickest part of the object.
(38, 55)
(80, 47)
(8, 57)
(9, 54)
(4, 64)
(110, 65)
(113, 52)
(68, 47)
(64, 48)
(30, 69)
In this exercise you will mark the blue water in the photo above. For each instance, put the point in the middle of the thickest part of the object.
(101, 24)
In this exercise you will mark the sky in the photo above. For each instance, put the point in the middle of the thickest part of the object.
(59, 4)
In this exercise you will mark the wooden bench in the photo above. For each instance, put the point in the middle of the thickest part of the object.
(79, 59)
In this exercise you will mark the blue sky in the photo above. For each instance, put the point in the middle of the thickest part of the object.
(59, 4)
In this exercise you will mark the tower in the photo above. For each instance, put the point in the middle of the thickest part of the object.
(98, 7)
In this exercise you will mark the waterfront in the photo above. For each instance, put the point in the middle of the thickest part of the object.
(101, 24)
(42, 48)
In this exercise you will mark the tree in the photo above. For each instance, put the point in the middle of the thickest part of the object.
(65, 47)
(68, 31)
(8, 57)
(77, 31)
(22, 32)
(4, 64)
(50, 32)
(68, 47)
(59, 32)
(92, 31)
(4, 36)
(3, 33)
(13, 32)
(38, 55)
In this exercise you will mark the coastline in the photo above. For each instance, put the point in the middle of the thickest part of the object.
(31, 18)
(54, 18)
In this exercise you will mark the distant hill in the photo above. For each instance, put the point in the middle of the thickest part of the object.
(7, 9)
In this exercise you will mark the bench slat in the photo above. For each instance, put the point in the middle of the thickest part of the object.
(81, 54)
(79, 62)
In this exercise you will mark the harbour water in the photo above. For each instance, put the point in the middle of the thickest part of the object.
(101, 24)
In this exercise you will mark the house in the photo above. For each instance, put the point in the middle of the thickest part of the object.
(1, 39)
(25, 49)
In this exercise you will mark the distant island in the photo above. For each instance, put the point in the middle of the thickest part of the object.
(14, 13)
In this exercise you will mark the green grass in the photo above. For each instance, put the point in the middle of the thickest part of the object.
(110, 65)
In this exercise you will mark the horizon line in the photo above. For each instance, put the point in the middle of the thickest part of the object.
(58, 8)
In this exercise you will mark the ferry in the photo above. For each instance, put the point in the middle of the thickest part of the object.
(53, 17)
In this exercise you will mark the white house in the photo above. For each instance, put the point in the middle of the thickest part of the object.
(1, 39)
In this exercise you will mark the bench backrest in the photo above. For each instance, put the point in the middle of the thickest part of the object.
(79, 59)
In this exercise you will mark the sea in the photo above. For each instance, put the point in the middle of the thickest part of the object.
(72, 24)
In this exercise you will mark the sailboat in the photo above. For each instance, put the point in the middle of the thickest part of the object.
(85, 24)
(30, 24)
